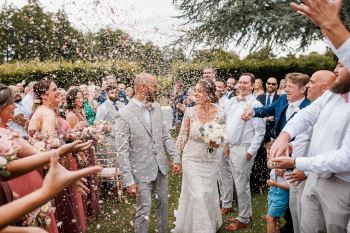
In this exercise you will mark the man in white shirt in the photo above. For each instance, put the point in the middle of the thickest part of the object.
(27, 101)
(225, 177)
(111, 105)
(320, 82)
(326, 195)
(230, 84)
(243, 140)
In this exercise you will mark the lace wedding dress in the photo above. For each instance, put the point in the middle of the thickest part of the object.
(199, 210)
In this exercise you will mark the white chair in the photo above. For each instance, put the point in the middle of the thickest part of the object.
(106, 158)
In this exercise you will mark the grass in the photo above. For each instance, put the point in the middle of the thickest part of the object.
(118, 217)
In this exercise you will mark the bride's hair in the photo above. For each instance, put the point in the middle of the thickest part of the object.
(210, 88)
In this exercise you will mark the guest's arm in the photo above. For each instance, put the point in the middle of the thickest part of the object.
(56, 180)
(265, 111)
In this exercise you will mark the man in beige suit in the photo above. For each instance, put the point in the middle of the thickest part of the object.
(142, 142)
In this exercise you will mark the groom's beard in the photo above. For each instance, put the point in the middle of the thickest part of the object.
(151, 97)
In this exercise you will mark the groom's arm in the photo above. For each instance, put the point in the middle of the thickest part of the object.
(169, 145)
(122, 136)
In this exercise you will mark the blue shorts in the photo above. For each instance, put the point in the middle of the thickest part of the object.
(278, 201)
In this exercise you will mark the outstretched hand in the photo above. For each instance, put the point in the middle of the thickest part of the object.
(76, 146)
(320, 12)
(247, 115)
(282, 162)
(59, 178)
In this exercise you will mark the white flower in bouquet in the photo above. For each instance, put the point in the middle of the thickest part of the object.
(212, 132)
(8, 152)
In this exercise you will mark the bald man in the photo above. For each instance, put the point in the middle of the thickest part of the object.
(320, 82)
(142, 142)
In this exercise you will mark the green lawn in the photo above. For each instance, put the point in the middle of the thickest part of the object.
(118, 217)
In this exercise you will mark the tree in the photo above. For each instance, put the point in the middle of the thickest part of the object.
(262, 54)
(212, 55)
(252, 23)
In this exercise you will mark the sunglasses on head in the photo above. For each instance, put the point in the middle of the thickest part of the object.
(273, 84)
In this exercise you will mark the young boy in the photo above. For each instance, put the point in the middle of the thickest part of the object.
(278, 200)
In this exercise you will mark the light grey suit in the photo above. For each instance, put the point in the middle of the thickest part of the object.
(142, 159)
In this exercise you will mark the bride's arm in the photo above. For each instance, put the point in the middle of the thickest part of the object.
(184, 132)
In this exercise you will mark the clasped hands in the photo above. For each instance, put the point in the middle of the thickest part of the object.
(133, 189)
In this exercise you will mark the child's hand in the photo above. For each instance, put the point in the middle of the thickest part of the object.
(271, 183)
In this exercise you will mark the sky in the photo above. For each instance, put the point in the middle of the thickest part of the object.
(146, 20)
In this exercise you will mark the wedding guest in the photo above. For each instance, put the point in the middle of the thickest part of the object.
(284, 109)
(258, 87)
(122, 97)
(282, 87)
(45, 123)
(230, 85)
(56, 180)
(27, 101)
(142, 141)
(209, 73)
(31, 181)
(129, 93)
(62, 102)
(320, 82)
(21, 114)
(260, 172)
(177, 105)
(243, 140)
(277, 200)
(112, 104)
(90, 113)
(323, 202)
(225, 177)
(76, 120)
(20, 87)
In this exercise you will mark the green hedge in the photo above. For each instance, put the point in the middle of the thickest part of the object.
(66, 74)
(190, 73)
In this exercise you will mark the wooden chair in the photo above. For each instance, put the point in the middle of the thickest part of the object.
(106, 157)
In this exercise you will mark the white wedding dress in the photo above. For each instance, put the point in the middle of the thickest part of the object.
(199, 210)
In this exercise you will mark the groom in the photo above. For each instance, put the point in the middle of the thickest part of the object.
(142, 142)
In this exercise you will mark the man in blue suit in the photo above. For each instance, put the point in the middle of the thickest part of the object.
(282, 110)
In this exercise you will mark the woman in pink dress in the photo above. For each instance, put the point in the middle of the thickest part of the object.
(76, 119)
(49, 129)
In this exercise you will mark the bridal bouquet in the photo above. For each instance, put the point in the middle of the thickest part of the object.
(8, 152)
(212, 132)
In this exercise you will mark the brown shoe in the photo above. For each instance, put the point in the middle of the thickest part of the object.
(225, 211)
(236, 226)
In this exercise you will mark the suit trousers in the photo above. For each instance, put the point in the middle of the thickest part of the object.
(159, 190)
(241, 169)
(295, 193)
(225, 179)
(325, 202)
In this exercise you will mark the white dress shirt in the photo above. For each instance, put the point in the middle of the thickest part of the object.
(105, 107)
(293, 107)
(343, 53)
(27, 101)
(329, 114)
(254, 130)
(146, 115)
(21, 108)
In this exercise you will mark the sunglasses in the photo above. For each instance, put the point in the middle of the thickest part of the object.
(272, 84)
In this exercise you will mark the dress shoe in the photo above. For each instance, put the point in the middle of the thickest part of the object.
(225, 211)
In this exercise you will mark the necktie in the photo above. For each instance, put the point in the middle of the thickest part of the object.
(115, 106)
(268, 101)
(345, 97)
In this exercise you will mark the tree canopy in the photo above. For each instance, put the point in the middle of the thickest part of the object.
(251, 23)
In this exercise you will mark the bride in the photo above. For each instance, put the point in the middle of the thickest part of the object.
(199, 210)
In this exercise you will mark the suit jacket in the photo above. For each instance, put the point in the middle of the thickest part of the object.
(141, 151)
(262, 98)
(278, 110)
